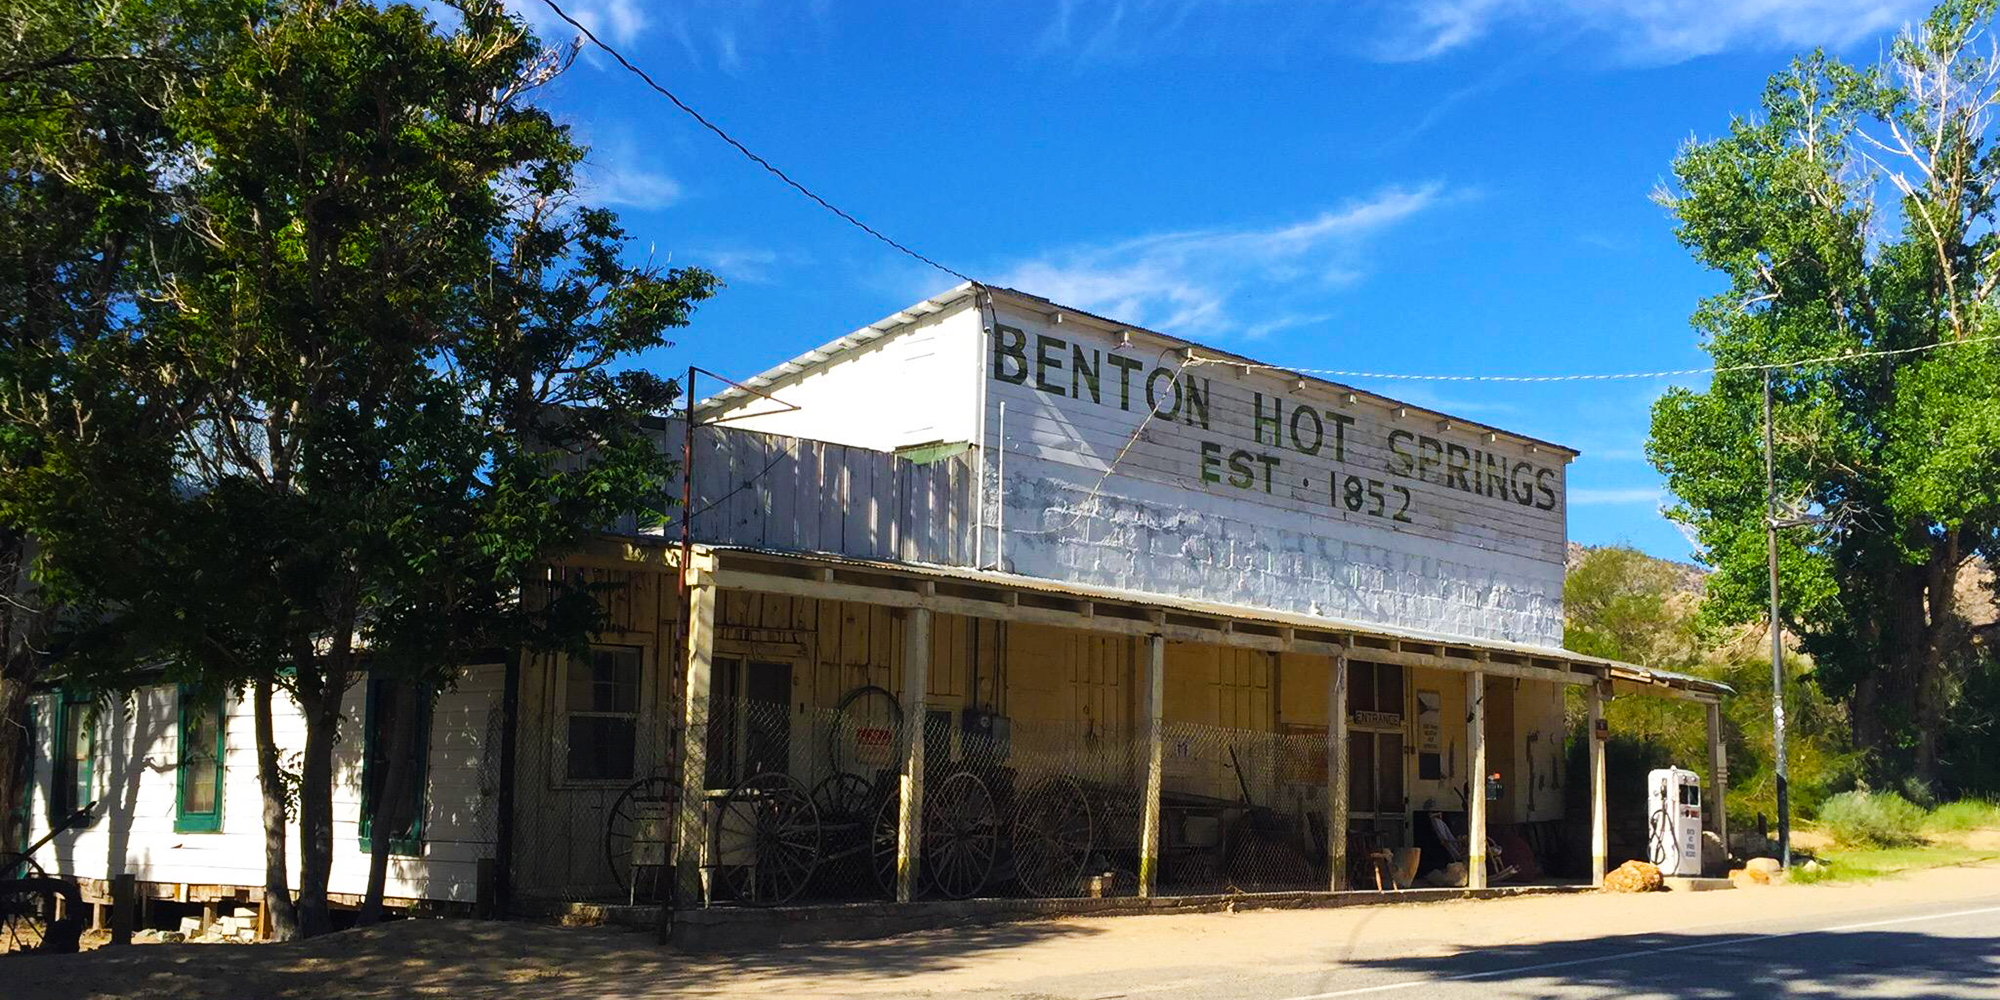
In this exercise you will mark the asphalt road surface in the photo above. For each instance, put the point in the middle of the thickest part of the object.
(1922, 949)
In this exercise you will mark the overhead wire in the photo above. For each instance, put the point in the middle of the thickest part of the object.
(746, 151)
(1609, 377)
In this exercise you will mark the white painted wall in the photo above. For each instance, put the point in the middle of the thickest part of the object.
(1348, 511)
(135, 782)
(916, 385)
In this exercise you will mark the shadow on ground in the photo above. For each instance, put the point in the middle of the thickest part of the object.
(465, 959)
(1715, 966)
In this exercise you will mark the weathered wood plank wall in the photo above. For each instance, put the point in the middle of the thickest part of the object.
(799, 495)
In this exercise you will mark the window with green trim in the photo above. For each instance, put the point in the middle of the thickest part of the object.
(75, 756)
(386, 699)
(198, 804)
(24, 772)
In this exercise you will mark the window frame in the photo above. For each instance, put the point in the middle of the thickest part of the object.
(412, 844)
(210, 820)
(642, 712)
(69, 776)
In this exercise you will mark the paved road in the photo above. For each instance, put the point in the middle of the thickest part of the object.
(1921, 949)
(1931, 934)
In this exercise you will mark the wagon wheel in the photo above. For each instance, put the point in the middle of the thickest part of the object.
(844, 798)
(622, 823)
(14, 864)
(867, 732)
(27, 906)
(882, 838)
(1052, 838)
(961, 835)
(768, 838)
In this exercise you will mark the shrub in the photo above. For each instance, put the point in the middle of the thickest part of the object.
(1871, 818)
(1963, 815)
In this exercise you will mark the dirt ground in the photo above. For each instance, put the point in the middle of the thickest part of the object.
(467, 960)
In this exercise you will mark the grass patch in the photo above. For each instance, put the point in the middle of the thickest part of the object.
(1963, 816)
(1876, 862)
(1872, 819)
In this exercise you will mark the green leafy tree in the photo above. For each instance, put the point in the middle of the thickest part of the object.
(1855, 213)
(84, 89)
(385, 360)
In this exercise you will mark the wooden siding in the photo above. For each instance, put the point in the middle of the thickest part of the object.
(801, 495)
(135, 782)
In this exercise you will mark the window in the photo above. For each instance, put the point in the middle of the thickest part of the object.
(75, 756)
(601, 699)
(198, 809)
(749, 720)
(388, 701)
(24, 774)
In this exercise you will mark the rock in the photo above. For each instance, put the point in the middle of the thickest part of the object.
(1714, 854)
(172, 937)
(1634, 876)
(1768, 866)
(1451, 876)
(1814, 866)
(1749, 878)
(190, 926)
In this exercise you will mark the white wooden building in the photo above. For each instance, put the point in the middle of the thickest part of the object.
(1081, 552)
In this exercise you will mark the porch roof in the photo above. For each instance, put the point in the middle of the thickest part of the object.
(995, 594)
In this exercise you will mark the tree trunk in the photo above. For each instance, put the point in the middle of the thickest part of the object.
(322, 718)
(390, 816)
(281, 915)
(20, 617)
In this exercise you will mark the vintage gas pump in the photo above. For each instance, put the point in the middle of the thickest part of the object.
(1673, 821)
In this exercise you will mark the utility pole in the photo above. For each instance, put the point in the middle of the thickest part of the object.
(1777, 643)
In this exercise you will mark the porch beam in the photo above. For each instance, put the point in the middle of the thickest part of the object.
(1155, 696)
(1336, 773)
(1475, 825)
(909, 810)
(690, 843)
(1599, 813)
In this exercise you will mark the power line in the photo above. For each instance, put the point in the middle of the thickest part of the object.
(1618, 376)
(745, 150)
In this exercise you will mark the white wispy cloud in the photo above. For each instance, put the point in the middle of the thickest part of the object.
(618, 175)
(1192, 281)
(744, 265)
(615, 21)
(1649, 495)
(1646, 31)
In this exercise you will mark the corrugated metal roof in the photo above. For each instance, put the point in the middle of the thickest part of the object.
(1614, 668)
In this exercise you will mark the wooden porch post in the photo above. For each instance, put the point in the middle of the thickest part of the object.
(1155, 697)
(691, 840)
(1475, 820)
(1336, 773)
(909, 811)
(1599, 813)
(1718, 776)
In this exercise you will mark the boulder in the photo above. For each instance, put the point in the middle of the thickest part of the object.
(1714, 853)
(1634, 876)
(1451, 876)
(1750, 878)
(1768, 866)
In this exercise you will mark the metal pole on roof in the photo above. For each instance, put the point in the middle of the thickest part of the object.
(1777, 641)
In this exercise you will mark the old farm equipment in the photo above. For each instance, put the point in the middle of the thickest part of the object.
(997, 818)
(28, 899)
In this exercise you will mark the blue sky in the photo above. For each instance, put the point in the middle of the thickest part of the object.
(1452, 186)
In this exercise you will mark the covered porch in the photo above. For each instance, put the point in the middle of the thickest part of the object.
(1081, 742)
